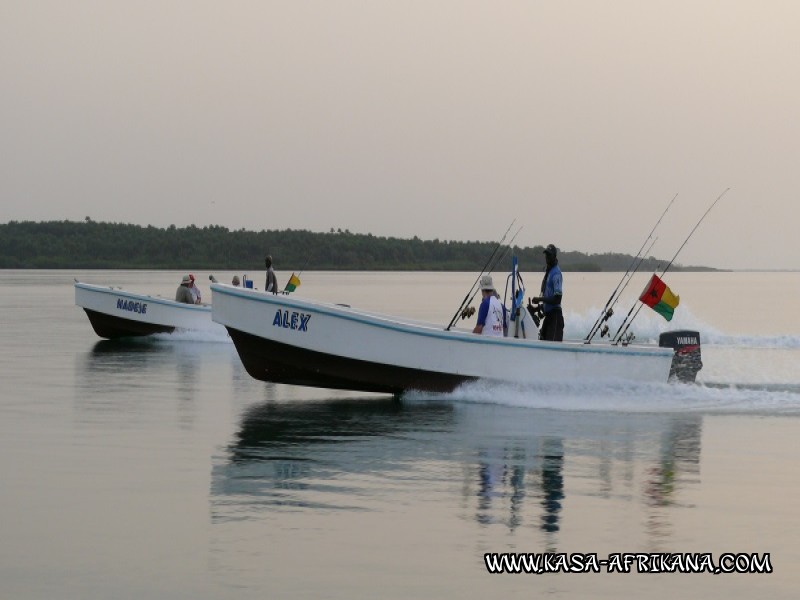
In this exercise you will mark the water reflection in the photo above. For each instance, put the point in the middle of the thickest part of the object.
(509, 476)
(552, 483)
(116, 365)
(678, 463)
(151, 377)
(317, 454)
(109, 353)
(506, 467)
(679, 454)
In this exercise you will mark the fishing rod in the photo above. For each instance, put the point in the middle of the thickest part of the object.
(604, 330)
(467, 298)
(620, 331)
(614, 339)
(462, 310)
(502, 257)
(304, 266)
(708, 210)
(604, 315)
(609, 312)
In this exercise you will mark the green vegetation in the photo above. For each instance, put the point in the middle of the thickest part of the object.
(93, 245)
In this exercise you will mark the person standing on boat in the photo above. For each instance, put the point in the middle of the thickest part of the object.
(552, 290)
(492, 313)
(183, 293)
(272, 281)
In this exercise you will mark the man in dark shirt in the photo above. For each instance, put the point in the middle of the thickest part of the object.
(272, 282)
(552, 290)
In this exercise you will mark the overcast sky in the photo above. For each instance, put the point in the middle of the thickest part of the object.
(441, 119)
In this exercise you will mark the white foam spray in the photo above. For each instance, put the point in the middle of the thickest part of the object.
(741, 374)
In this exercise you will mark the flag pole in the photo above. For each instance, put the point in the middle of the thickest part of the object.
(304, 266)
(289, 282)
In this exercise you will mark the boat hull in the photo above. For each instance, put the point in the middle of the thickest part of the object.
(115, 313)
(111, 327)
(286, 339)
(277, 362)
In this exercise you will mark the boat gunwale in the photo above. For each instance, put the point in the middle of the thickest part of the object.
(91, 287)
(431, 330)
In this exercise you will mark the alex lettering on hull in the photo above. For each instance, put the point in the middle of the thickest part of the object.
(131, 306)
(291, 320)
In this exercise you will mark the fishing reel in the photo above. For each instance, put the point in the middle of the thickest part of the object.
(608, 314)
(535, 311)
(467, 312)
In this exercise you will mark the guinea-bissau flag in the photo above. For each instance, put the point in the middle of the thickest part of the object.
(294, 283)
(660, 298)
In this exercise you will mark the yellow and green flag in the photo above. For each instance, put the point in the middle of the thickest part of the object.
(294, 283)
(660, 298)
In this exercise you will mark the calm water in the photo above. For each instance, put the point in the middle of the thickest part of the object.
(160, 469)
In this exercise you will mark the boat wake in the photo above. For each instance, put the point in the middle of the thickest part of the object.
(649, 326)
(586, 396)
(194, 335)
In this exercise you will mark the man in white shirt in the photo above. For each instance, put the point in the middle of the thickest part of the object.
(492, 313)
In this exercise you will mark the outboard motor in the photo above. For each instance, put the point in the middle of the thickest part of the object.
(686, 361)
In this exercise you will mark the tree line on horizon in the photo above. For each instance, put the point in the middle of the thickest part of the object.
(90, 244)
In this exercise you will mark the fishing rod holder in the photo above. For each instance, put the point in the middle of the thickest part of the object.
(535, 311)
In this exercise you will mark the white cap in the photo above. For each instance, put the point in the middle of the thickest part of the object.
(486, 282)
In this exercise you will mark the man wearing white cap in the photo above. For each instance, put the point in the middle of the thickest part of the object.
(492, 313)
(184, 294)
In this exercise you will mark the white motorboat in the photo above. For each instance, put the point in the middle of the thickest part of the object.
(114, 312)
(286, 339)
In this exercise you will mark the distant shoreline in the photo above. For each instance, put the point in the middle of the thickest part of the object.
(97, 245)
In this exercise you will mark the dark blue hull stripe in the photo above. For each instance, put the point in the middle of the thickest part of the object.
(110, 327)
(268, 360)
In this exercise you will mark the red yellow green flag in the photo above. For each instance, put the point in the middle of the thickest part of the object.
(660, 298)
(294, 283)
